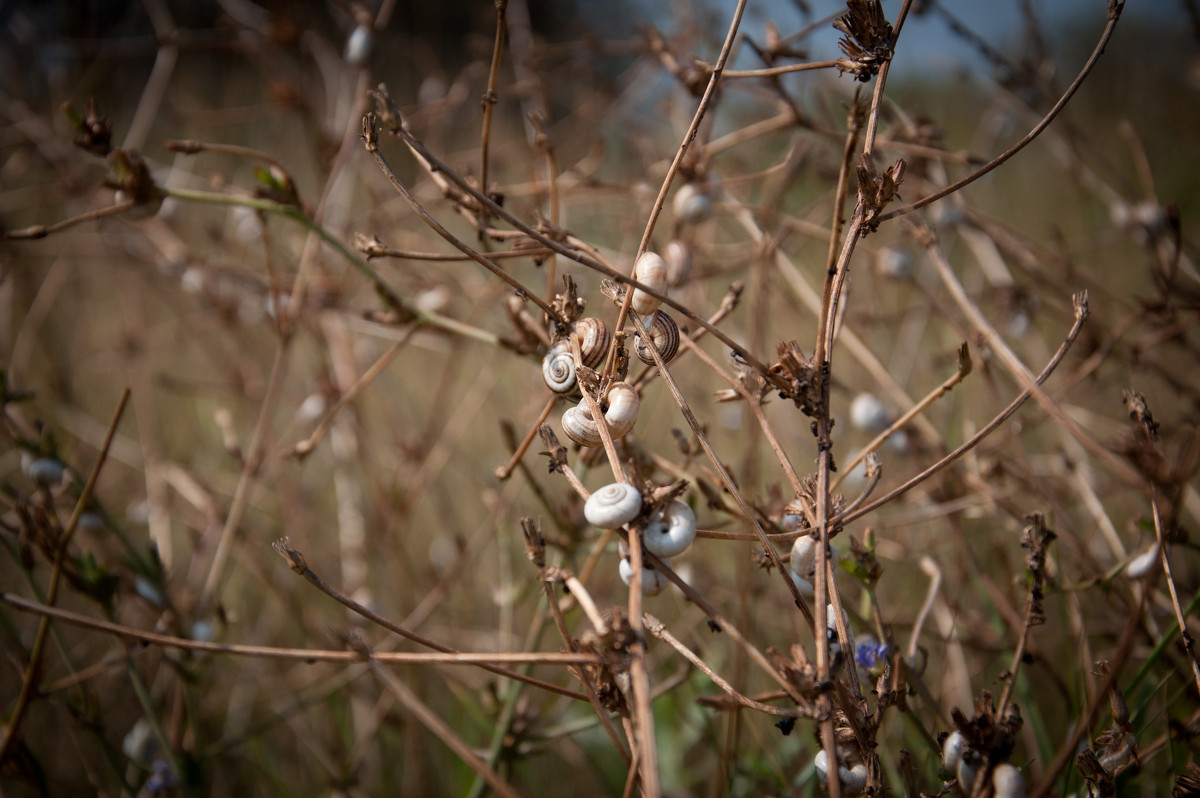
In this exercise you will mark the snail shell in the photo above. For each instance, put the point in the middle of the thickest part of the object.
(692, 203)
(620, 415)
(803, 563)
(1007, 781)
(594, 339)
(653, 582)
(679, 261)
(577, 423)
(613, 505)
(853, 779)
(651, 270)
(952, 750)
(558, 368)
(664, 335)
(671, 531)
(623, 403)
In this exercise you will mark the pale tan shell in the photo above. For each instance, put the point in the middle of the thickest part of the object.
(558, 368)
(664, 335)
(679, 261)
(594, 339)
(651, 270)
(578, 425)
(622, 403)
(692, 203)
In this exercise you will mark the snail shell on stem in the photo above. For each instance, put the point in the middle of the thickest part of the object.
(594, 339)
(558, 368)
(613, 505)
(664, 335)
(653, 582)
(620, 413)
(671, 531)
(650, 270)
(679, 261)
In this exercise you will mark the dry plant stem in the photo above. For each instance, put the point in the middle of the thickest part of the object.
(305, 447)
(1082, 725)
(431, 721)
(483, 660)
(657, 628)
(561, 624)
(1114, 13)
(505, 471)
(43, 230)
(1019, 371)
(755, 406)
(298, 564)
(931, 569)
(188, 147)
(241, 494)
(478, 257)
(1081, 313)
(880, 82)
(874, 474)
(964, 368)
(424, 155)
(39, 640)
(659, 201)
(747, 512)
(1180, 616)
(450, 257)
(489, 99)
(771, 71)
(843, 184)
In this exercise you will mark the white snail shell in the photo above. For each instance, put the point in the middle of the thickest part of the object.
(868, 413)
(1143, 563)
(853, 779)
(1007, 781)
(679, 261)
(594, 339)
(671, 531)
(558, 368)
(968, 769)
(952, 750)
(613, 506)
(692, 203)
(653, 582)
(651, 270)
(803, 563)
(664, 335)
(358, 46)
(896, 263)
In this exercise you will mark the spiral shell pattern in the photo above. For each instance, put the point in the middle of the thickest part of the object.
(623, 404)
(650, 270)
(594, 339)
(577, 423)
(558, 368)
(664, 335)
(613, 505)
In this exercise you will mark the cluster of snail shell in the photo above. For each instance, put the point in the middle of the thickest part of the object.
(621, 401)
(668, 532)
(964, 762)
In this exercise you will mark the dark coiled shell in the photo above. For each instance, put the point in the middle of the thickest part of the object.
(664, 334)
(594, 339)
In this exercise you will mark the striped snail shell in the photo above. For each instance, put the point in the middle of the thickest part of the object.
(594, 339)
(653, 582)
(664, 335)
(577, 423)
(671, 531)
(558, 368)
(650, 270)
(613, 506)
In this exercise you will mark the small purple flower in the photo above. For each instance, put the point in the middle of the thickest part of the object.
(871, 655)
(161, 778)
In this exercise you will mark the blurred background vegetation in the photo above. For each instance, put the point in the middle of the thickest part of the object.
(398, 505)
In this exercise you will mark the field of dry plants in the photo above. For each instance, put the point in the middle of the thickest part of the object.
(412, 401)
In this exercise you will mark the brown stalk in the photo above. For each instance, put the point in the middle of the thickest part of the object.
(60, 554)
